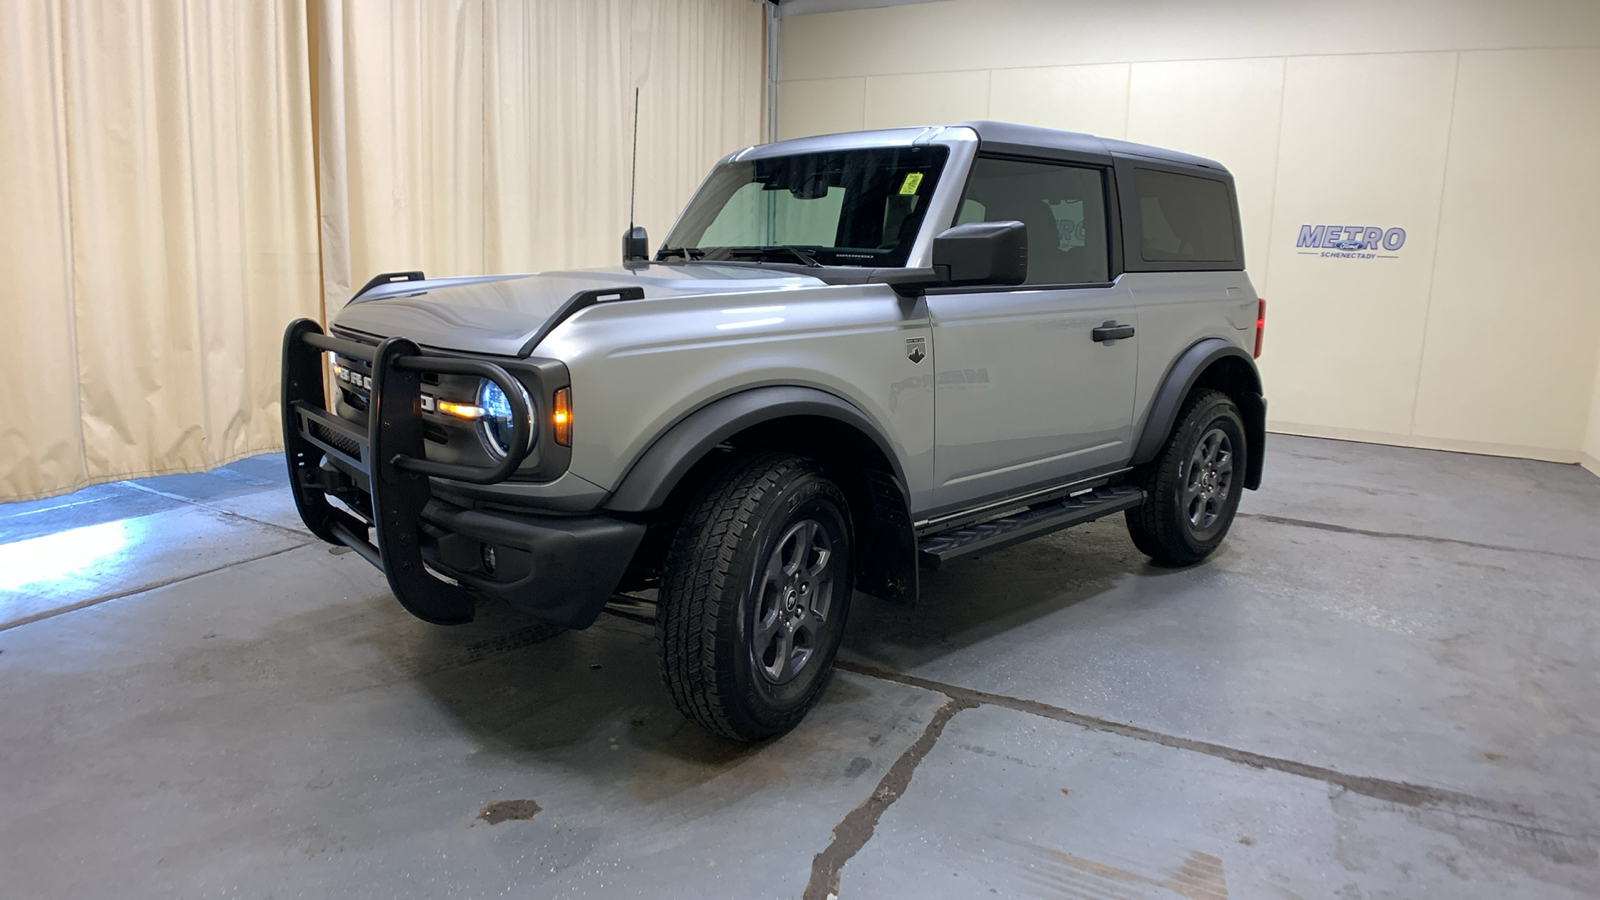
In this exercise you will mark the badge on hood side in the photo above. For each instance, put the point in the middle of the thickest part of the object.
(916, 349)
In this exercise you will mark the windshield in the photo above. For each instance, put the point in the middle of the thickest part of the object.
(838, 208)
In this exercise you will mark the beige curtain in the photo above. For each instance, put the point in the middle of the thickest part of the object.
(474, 136)
(159, 229)
(174, 173)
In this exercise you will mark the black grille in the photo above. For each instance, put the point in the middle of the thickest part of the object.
(333, 438)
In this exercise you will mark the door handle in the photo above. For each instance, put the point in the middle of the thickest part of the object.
(1111, 331)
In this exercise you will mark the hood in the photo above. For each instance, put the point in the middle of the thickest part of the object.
(499, 314)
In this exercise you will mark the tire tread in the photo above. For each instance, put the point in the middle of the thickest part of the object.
(694, 581)
(1153, 525)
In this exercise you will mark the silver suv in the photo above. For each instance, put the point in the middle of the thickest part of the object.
(853, 357)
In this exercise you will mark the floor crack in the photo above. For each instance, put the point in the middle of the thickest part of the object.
(1424, 538)
(856, 828)
(1398, 792)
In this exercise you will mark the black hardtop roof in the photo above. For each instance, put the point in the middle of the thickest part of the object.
(998, 136)
(1010, 133)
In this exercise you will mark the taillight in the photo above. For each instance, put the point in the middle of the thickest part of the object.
(561, 417)
(1261, 324)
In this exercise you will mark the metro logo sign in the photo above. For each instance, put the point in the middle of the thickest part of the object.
(1350, 241)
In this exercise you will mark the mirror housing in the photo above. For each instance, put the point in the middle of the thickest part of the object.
(635, 246)
(982, 253)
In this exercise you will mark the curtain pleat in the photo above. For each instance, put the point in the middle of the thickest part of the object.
(161, 212)
(177, 173)
(477, 136)
(41, 442)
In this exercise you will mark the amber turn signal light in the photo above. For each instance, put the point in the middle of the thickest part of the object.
(459, 410)
(561, 417)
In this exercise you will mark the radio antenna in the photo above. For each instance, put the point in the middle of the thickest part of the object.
(633, 179)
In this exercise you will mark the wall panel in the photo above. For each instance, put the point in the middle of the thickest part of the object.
(1091, 99)
(933, 99)
(1351, 155)
(1511, 326)
(823, 106)
(966, 35)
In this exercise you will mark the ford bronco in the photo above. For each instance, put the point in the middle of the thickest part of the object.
(853, 357)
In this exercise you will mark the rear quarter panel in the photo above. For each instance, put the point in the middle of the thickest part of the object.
(1179, 309)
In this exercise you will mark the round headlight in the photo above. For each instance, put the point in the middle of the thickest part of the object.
(496, 425)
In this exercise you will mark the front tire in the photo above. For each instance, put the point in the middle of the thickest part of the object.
(1192, 488)
(754, 596)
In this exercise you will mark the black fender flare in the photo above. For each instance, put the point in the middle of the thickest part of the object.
(1181, 379)
(658, 470)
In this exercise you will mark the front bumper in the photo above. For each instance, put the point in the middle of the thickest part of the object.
(559, 568)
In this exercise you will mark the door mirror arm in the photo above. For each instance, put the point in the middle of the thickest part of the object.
(635, 247)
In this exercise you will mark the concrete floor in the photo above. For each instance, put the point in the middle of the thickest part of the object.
(1384, 685)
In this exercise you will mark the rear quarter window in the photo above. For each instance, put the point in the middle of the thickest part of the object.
(1183, 218)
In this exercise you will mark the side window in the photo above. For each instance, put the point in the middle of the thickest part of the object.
(971, 211)
(1063, 208)
(1183, 218)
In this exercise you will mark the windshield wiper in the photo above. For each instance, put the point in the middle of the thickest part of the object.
(771, 250)
(685, 252)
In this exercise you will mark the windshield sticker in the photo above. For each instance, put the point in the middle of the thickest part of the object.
(913, 181)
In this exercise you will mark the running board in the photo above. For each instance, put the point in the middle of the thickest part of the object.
(997, 534)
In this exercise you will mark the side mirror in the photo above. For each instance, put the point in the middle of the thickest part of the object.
(635, 246)
(982, 253)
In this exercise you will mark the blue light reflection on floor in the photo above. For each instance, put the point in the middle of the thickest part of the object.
(47, 561)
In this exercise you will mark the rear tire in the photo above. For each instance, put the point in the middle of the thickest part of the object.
(1192, 488)
(754, 596)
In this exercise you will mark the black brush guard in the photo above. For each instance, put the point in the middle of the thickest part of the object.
(387, 458)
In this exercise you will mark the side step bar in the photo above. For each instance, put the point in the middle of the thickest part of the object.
(997, 534)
